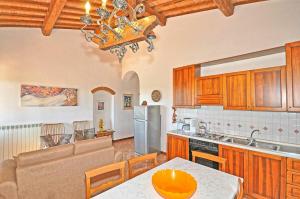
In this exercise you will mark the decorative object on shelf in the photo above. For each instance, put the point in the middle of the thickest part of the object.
(127, 101)
(120, 27)
(101, 125)
(181, 185)
(174, 116)
(156, 95)
(144, 103)
(48, 96)
(100, 106)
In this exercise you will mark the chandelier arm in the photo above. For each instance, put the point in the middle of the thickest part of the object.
(112, 30)
(132, 13)
(111, 16)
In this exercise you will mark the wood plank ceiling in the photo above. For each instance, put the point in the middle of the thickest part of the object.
(65, 14)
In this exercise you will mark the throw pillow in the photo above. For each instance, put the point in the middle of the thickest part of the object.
(47, 141)
(64, 139)
(79, 135)
(89, 133)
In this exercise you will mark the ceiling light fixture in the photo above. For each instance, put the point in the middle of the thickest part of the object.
(120, 27)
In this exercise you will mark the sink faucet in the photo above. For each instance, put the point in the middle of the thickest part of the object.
(251, 137)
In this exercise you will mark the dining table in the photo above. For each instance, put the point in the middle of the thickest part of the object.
(211, 183)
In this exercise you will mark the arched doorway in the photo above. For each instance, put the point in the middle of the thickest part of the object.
(130, 86)
(103, 107)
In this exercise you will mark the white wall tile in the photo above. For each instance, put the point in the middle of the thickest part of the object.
(268, 123)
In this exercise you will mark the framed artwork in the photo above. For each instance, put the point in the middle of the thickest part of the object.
(127, 101)
(48, 96)
(100, 106)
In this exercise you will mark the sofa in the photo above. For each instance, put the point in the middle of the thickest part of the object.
(54, 173)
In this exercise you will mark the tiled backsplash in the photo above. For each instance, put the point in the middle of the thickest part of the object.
(274, 126)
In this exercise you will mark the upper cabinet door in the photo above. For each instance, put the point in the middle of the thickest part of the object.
(236, 91)
(268, 89)
(209, 90)
(293, 75)
(183, 86)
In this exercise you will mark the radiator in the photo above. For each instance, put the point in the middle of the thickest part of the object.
(15, 139)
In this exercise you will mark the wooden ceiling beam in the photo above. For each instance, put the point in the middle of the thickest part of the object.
(225, 6)
(68, 26)
(189, 9)
(54, 11)
(20, 24)
(161, 18)
(21, 18)
(20, 12)
(23, 5)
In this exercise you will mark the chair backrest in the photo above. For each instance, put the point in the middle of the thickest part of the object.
(111, 182)
(53, 129)
(220, 160)
(240, 193)
(136, 166)
(81, 125)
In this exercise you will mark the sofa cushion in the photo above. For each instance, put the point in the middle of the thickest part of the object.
(86, 146)
(8, 185)
(44, 155)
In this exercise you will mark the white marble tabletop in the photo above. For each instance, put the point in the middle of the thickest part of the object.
(211, 183)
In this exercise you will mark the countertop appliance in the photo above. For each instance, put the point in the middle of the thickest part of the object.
(147, 129)
(205, 147)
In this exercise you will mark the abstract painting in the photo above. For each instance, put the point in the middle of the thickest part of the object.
(48, 96)
(127, 101)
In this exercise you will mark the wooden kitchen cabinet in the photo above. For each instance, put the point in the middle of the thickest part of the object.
(267, 176)
(293, 75)
(177, 146)
(209, 90)
(268, 89)
(184, 86)
(236, 89)
(236, 162)
(293, 178)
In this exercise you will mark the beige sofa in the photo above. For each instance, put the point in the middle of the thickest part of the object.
(54, 173)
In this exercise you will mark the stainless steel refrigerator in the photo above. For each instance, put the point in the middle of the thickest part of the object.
(147, 129)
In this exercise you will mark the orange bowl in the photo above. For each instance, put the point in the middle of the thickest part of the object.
(174, 184)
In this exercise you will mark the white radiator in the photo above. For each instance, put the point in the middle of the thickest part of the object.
(15, 139)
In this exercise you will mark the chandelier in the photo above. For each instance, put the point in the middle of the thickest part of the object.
(120, 27)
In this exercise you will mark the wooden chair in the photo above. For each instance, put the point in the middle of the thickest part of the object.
(240, 193)
(108, 171)
(138, 161)
(213, 158)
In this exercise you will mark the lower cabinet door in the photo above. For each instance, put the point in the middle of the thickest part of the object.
(236, 162)
(267, 176)
(177, 147)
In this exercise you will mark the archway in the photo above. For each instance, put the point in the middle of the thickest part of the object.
(103, 107)
(131, 86)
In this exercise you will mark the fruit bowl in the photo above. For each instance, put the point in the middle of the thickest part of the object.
(174, 184)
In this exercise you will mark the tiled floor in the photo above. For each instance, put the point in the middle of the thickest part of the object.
(126, 147)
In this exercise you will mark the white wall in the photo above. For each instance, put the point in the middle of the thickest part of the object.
(208, 36)
(63, 59)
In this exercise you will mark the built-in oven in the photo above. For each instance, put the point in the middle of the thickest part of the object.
(205, 147)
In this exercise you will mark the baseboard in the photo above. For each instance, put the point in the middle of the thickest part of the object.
(122, 139)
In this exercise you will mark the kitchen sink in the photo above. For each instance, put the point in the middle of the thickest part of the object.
(237, 140)
(265, 145)
(289, 149)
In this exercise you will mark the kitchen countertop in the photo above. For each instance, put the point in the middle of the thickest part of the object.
(273, 152)
(211, 183)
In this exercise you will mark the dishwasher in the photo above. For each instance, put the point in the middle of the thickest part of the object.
(204, 147)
